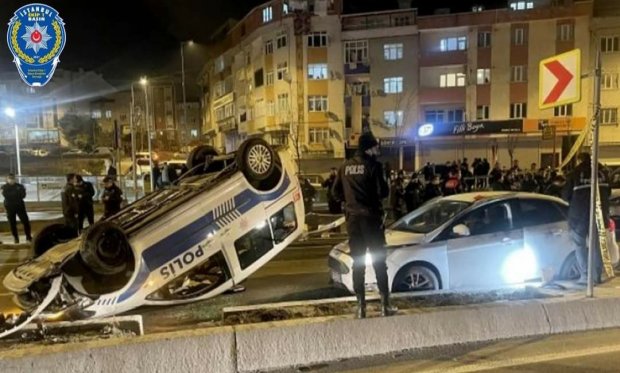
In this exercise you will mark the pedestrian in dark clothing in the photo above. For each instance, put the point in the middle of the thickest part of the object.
(172, 174)
(71, 203)
(556, 187)
(428, 172)
(397, 193)
(413, 195)
(433, 189)
(335, 207)
(156, 175)
(577, 193)
(529, 184)
(85, 194)
(112, 197)
(14, 194)
(110, 170)
(362, 185)
(308, 192)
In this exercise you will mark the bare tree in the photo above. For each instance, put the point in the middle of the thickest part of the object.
(511, 145)
(402, 102)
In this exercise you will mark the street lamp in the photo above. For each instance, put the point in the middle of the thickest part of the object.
(10, 112)
(190, 43)
(145, 83)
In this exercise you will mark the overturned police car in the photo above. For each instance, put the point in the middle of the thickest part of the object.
(225, 218)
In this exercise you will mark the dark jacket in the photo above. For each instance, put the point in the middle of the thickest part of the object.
(14, 195)
(431, 191)
(361, 184)
(328, 184)
(577, 193)
(112, 198)
(86, 192)
(70, 201)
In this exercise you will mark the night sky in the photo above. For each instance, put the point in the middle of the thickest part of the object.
(123, 40)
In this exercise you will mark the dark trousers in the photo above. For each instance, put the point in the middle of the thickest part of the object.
(366, 233)
(86, 212)
(335, 207)
(11, 214)
(581, 242)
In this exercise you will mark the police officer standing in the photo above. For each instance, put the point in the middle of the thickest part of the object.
(70, 203)
(577, 193)
(112, 197)
(361, 184)
(86, 192)
(14, 194)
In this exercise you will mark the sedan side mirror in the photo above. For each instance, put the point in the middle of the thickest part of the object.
(461, 230)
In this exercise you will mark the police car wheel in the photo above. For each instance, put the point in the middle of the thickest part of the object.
(256, 159)
(51, 236)
(105, 249)
(199, 155)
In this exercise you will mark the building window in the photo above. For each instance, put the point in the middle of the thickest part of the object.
(259, 78)
(393, 85)
(483, 76)
(269, 47)
(269, 78)
(358, 89)
(318, 135)
(317, 103)
(563, 111)
(484, 39)
(521, 5)
(455, 115)
(356, 51)
(477, 8)
(609, 81)
(453, 44)
(283, 103)
(282, 70)
(518, 74)
(267, 14)
(281, 41)
(393, 52)
(271, 108)
(108, 114)
(317, 39)
(610, 44)
(565, 31)
(518, 110)
(434, 116)
(452, 80)
(219, 64)
(393, 118)
(609, 116)
(482, 112)
(519, 36)
(96, 114)
(317, 71)
(284, 8)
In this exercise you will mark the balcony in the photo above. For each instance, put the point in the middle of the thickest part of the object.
(357, 68)
(435, 95)
(375, 20)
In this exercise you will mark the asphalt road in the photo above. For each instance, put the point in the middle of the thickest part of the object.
(597, 351)
(300, 272)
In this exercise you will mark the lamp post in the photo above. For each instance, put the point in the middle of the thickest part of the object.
(190, 43)
(10, 112)
(134, 172)
(144, 83)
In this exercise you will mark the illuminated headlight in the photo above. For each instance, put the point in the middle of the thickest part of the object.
(368, 260)
(521, 265)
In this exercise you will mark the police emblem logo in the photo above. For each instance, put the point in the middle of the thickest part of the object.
(36, 37)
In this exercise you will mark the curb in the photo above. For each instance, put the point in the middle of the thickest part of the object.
(286, 344)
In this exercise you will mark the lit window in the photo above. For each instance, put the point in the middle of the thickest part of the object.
(453, 44)
(393, 52)
(194, 133)
(281, 41)
(317, 103)
(484, 39)
(267, 14)
(521, 5)
(393, 85)
(482, 112)
(356, 51)
(609, 116)
(108, 114)
(609, 81)
(518, 74)
(452, 80)
(282, 70)
(477, 8)
(565, 32)
(317, 39)
(393, 118)
(269, 47)
(519, 36)
(96, 114)
(518, 110)
(317, 71)
(284, 8)
(483, 76)
(610, 44)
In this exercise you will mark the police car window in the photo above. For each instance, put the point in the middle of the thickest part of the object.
(254, 244)
(487, 219)
(537, 212)
(283, 223)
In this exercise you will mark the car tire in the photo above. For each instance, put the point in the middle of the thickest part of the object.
(105, 249)
(415, 277)
(199, 154)
(51, 236)
(570, 268)
(258, 162)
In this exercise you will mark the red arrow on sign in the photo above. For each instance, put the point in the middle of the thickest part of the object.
(564, 77)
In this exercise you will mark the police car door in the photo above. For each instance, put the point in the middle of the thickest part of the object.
(483, 258)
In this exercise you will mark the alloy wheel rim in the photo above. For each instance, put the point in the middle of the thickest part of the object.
(259, 159)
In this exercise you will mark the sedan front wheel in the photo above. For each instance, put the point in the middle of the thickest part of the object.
(415, 278)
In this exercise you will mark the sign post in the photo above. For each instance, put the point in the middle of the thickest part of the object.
(594, 176)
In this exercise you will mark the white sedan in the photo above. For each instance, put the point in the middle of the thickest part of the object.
(472, 241)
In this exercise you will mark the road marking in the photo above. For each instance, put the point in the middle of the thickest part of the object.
(490, 365)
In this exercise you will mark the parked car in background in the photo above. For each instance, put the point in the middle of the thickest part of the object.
(74, 152)
(103, 150)
(40, 153)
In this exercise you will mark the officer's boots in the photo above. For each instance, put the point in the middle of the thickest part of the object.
(386, 308)
(361, 306)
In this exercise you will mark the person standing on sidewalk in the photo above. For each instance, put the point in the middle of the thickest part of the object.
(335, 207)
(577, 193)
(86, 192)
(112, 197)
(70, 203)
(14, 194)
(361, 184)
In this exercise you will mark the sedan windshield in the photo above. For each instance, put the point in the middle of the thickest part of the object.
(430, 216)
